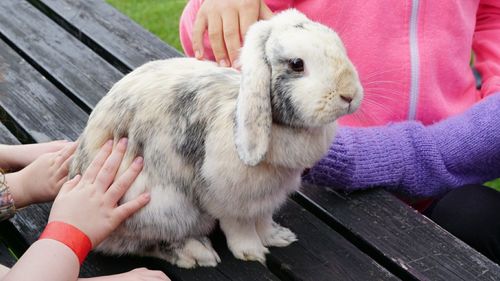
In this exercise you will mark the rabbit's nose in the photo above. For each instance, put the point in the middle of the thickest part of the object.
(347, 99)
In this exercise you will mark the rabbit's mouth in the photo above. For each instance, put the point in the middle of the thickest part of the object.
(334, 106)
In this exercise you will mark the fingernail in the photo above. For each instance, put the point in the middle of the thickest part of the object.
(123, 141)
(109, 143)
(223, 63)
(146, 196)
(139, 160)
(197, 54)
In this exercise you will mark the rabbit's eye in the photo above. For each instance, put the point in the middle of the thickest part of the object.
(296, 64)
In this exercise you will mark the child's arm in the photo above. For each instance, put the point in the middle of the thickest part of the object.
(15, 157)
(89, 204)
(413, 159)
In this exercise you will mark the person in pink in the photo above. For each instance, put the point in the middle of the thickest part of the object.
(413, 58)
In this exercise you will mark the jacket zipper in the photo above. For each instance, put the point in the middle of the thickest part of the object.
(414, 60)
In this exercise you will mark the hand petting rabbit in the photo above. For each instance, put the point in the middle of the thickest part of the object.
(223, 145)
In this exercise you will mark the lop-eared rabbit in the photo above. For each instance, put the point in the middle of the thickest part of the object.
(219, 144)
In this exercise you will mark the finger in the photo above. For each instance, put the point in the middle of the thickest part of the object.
(123, 183)
(248, 17)
(217, 40)
(63, 171)
(200, 25)
(69, 185)
(127, 209)
(68, 150)
(64, 154)
(108, 171)
(94, 167)
(64, 168)
(231, 32)
(265, 11)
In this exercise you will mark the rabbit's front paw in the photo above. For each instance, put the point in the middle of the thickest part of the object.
(274, 235)
(248, 250)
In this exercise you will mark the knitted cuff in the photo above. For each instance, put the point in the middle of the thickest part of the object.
(361, 158)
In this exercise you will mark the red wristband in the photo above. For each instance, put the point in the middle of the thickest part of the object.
(70, 236)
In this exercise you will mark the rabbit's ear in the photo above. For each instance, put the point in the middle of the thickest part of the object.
(253, 109)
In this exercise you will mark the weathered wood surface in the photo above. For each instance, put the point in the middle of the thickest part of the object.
(397, 236)
(364, 236)
(59, 56)
(107, 31)
(5, 258)
(6, 137)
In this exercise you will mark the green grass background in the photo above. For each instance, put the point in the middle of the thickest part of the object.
(161, 17)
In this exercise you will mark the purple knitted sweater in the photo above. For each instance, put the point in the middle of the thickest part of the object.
(416, 160)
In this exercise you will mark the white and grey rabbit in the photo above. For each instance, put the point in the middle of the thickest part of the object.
(223, 145)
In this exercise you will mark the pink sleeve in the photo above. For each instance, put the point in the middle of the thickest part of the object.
(486, 45)
(186, 24)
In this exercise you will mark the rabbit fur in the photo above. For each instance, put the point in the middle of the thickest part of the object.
(223, 145)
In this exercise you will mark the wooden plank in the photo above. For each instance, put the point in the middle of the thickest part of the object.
(33, 103)
(6, 137)
(109, 32)
(60, 57)
(6, 258)
(398, 237)
(321, 253)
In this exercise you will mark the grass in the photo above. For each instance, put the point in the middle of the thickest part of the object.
(160, 17)
(494, 184)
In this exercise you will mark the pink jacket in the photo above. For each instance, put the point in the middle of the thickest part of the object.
(412, 56)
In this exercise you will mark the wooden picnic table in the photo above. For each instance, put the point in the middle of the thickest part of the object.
(59, 57)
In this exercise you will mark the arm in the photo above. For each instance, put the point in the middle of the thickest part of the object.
(89, 203)
(14, 157)
(486, 43)
(415, 160)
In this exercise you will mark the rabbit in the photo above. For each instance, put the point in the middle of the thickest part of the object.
(221, 144)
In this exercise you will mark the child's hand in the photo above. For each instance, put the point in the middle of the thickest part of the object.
(41, 180)
(90, 202)
(15, 157)
(227, 22)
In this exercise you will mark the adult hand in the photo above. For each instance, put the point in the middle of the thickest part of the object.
(41, 180)
(90, 202)
(227, 22)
